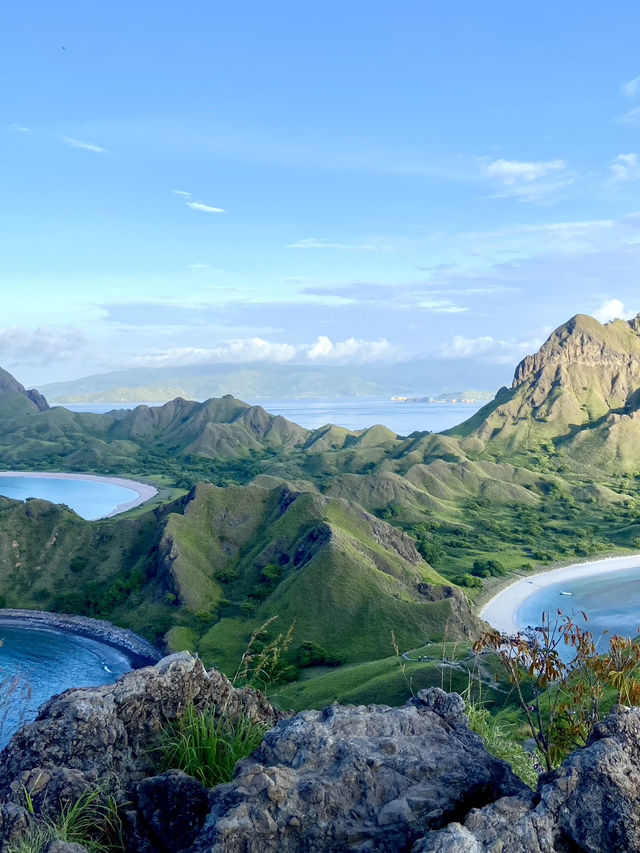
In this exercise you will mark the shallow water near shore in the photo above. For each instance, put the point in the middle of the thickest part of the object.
(91, 499)
(46, 662)
(611, 602)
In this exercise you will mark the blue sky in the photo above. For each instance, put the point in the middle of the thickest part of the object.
(336, 182)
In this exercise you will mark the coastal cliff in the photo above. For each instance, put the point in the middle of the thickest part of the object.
(349, 778)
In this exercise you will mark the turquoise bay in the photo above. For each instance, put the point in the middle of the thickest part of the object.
(90, 497)
(611, 601)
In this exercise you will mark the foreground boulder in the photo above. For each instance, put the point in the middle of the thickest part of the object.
(89, 735)
(369, 779)
(356, 778)
(592, 803)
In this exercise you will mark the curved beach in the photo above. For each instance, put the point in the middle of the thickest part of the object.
(143, 491)
(501, 611)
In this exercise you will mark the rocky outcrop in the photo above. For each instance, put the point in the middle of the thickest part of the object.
(9, 385)
(165, 813)
(591, 803)
(369, 779)
(356, 778)
(567, 392)
(91, 734)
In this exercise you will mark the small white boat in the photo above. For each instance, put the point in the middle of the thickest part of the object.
(566, 593)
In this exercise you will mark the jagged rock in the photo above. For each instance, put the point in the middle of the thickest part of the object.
(356, 778)
(592, 803)
(91, 734)
(167, 812)
(65, 847)
(15, 822)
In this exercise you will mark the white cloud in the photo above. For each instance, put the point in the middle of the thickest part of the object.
(532, 181)
(613, 309)
(86, 146)
(376, 244)
(487, 348)
(353, 350)
(511, 172)
(18, 128)
(42, 345)
(442, 306)
(206, 208)
(625, 167)
(183, 193)
(631, 87)
(247, 350)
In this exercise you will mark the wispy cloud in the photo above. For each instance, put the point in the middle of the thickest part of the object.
(631, 88)
(19, 128)
(206, 208)
(630, 117)
(374, 244)
(86, 146)
(490, 349)
(625, 167)
(442, 306)
(39, 346)
(196, 205)
(528, 180)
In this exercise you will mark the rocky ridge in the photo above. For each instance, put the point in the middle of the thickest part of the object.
(349, 778)
(581, 390)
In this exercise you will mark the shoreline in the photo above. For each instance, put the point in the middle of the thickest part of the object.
(501, 610)
(144, 491)
(140, 651)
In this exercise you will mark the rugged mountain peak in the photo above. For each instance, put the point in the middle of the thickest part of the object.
(10, 385)
(582, 339)
(580, 391)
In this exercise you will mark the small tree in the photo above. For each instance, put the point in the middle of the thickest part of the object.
(562, 699)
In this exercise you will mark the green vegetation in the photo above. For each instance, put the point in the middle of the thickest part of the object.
(348, 535)
(92, 821)
(562, 700)
(208, 746)
(501, 743)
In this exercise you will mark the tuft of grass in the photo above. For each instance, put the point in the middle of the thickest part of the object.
(92, 821)
(208, 747)
(500, 743)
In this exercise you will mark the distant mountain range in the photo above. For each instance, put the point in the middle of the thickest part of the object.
(264, 381)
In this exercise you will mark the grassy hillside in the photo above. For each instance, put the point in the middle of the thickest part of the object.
(346, 535)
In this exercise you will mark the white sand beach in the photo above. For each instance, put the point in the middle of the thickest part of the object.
(501, 611)
(143, 491)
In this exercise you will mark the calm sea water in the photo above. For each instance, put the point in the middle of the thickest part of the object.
(46, 662)
(89, 499)
(611, 602)
(355, 413)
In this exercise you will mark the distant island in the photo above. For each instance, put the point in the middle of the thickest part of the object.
(449, 397)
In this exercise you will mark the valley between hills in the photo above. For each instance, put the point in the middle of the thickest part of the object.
(348, 536)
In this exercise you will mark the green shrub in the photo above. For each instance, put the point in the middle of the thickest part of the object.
(91, 821)
(207, 746)
(500, 744)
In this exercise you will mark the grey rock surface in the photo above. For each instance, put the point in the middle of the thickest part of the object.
(591, 803)
(89, 735)
(356, 778)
